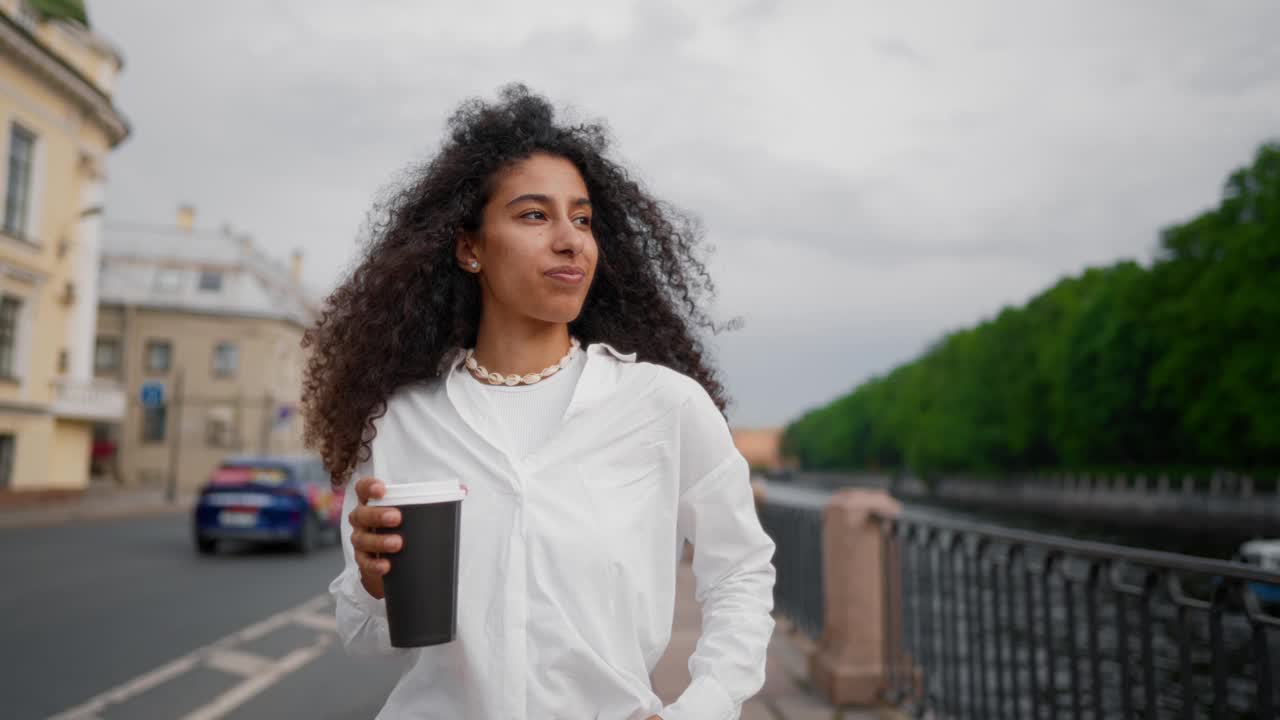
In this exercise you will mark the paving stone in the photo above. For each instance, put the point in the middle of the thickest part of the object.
(755, 710)
(802, 706)
(785, 695)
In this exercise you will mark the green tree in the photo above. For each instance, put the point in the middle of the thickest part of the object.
(1123, 366)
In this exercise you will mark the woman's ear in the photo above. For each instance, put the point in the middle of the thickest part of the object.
(464, 251)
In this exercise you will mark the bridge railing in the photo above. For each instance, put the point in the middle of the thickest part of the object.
(796, 529)
(948, 618)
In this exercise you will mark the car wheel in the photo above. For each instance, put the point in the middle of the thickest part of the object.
(308, 534)
(206, 546)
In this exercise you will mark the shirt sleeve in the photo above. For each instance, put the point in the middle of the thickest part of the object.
(362, 619)
(732, 566)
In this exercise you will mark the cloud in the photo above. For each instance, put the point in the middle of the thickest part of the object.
(870, 176)
(897, 49)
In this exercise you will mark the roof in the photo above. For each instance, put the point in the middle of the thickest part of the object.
(159, 267)
(17, 39)
(72, 10)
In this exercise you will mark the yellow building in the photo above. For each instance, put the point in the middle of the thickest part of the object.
(57, 125)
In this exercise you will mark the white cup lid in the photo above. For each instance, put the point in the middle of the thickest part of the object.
(420, 493)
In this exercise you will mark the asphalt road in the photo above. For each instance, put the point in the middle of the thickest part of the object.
(122, 619)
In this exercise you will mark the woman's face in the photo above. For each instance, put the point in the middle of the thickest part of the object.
(536, 251)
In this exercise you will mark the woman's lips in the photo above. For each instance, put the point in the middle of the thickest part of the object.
(567, 277)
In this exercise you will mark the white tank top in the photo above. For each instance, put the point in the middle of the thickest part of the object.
(522, 418)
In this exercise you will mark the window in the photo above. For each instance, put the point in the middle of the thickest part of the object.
(106, 356)
(210, 281)
(153, 422)
(17, 197)
(218, 424)
(218, 433)
(6, 460)
(159, 356)
(226, 359)
(9, 308)
(168, 280)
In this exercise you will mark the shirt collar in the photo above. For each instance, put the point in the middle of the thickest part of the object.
(599, 347)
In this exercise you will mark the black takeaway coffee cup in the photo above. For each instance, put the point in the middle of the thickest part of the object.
(422, 585)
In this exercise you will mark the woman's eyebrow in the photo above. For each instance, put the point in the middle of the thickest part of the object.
(538, 197)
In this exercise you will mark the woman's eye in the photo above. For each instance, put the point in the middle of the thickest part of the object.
(532, 213)
(584, 220)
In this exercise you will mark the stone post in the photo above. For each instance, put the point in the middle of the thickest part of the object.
(848, 664)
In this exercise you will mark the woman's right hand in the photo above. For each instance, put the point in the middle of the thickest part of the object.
(367, 542)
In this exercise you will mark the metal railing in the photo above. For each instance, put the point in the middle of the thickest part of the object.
(796, 529)
(989, 622)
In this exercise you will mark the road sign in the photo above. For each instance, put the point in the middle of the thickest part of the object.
(152, 394)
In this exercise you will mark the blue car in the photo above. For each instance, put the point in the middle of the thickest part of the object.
(267, 499)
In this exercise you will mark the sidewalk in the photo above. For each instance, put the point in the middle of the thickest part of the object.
(785, 695)
(97, 501)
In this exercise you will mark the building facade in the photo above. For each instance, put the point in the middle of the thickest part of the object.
(762, 448)
(204, 331)
(57, 126)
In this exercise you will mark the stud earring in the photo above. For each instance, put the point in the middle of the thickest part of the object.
(475, 265)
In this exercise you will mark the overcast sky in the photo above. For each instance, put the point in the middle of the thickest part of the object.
(872, 175)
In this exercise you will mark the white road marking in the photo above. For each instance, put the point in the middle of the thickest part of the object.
(325, 623)
(242, 693)
(221, 655)
(235, 662)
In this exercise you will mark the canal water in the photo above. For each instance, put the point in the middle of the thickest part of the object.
(1218, 545)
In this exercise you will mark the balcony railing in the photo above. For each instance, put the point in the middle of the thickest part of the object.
(95, 400)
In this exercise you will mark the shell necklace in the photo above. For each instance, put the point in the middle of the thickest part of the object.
(499, 379)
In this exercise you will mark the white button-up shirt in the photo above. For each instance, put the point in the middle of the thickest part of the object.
(568, 556)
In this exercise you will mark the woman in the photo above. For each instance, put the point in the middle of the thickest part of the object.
(600, 451)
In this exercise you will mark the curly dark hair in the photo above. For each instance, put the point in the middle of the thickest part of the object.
(407, 305)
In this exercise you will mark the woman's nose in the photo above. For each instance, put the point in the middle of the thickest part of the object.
(568, 238)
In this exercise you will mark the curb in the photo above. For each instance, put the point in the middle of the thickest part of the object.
(49, 517)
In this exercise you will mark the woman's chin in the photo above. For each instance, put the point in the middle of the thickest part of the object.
(558, 316)
(562, 310)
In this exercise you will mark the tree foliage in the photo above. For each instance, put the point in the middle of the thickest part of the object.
(1172, 365)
